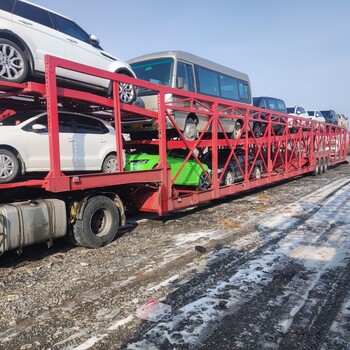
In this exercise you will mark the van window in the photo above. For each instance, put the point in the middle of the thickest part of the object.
(185, 71)
(157, 71)
(207, 81)
(33, 13)
(229, 88)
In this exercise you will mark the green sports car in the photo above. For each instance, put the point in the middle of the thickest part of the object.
(191, 175)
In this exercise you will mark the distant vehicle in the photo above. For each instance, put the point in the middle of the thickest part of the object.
(342, 121)
(28, 32)
(330, 116)
(235, 166)
(86, 144)
(296, 111)
(191, 175)
(317, 116)
(188, 72)
(273, 104)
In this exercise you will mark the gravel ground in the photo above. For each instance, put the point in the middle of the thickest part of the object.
(224, 268)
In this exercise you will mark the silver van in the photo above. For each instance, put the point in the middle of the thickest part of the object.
(182, 70)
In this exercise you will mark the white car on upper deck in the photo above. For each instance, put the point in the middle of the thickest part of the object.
(29, 31)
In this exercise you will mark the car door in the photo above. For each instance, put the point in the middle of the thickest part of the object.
(38, 145)
(92, 142)
(35, 27)
(78, 48)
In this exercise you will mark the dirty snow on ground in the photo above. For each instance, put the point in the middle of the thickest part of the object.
(312, 232)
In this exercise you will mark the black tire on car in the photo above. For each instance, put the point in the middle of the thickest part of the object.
(237, 130)
(98, 224)
(127, 92)
(110, 164)
(14, 66)
(204, 183)
(9, 166)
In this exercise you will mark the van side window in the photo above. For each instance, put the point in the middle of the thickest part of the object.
(243, 92)
(229, 88)
(185, 71)
(207, 81)
(7, 5)
(33, 13)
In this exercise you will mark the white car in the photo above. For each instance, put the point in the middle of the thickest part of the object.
(28, 32)
(86, 144)
(296, 111)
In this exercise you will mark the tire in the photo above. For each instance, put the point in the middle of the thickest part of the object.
(9, 166)
(229, 178)
(317, 168)
(325, 165)
(14, 65)
(127, 92)
(257, 172)
(204, 183)
(190, 131)
(110, 164)
(321, 168)
(257, 130)
(237, 130)
(98, 224)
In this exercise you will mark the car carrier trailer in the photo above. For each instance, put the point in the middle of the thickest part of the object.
(90, 207)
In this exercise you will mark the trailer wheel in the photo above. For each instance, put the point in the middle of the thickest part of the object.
(190, 131)
(317, 168)
(321, 170)
(9, 166)
(14, 65)
(325, 165)
(98, 224)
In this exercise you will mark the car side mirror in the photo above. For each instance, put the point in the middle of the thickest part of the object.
(39, 128)
(180, 83)
(94, 40)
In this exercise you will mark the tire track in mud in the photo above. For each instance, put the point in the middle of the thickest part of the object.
(248, 324)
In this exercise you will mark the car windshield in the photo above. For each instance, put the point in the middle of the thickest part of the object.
(157, 71)
(311, 113)
(18, 118)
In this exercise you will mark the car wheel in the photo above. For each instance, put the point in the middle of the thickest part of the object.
(257, 130)
(9, 166)
(204, 182)
(14, 65)
(127, 93)
(110, 164)
(237, 130)
(257, 172)
(229, 178)
(190, 131)
(98, 224)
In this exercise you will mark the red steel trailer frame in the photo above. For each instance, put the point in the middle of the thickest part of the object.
(304, 146)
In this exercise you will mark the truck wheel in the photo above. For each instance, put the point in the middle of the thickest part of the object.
(325, 166)
(257, 172)
(14, 66)
(98, 224)
(321, 169)
(9, 166)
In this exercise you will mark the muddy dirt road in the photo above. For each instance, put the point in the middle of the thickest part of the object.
(266, 270)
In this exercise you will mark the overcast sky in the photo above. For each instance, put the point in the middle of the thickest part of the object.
(297, 50)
